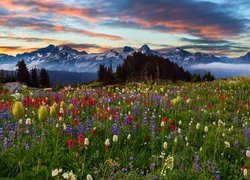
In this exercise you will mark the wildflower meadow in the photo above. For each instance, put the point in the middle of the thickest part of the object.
(133, 131)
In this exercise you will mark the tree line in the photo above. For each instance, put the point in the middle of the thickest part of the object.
(141, 67)
(22, 75)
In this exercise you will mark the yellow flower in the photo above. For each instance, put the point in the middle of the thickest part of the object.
(18, 110)
(176, 100)
(71, 107)
(62, 105)
(55, 105)
(42, 113)
(52, 111)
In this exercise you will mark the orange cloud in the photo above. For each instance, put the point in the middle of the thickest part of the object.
(211, 32)
(50, 7)
(15, 49)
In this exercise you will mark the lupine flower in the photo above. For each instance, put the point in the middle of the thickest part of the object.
(42, 113)
(18, 110)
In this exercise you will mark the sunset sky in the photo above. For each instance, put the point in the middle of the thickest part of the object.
(221, 27)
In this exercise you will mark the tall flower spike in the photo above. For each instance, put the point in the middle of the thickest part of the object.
(18, 110)
(42, 113)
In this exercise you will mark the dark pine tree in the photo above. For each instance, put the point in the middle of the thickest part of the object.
(34, 78)
(44, 78)
(22, 72)
(102, 73)
(208, 77)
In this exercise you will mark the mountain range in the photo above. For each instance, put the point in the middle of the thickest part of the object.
(65, 58)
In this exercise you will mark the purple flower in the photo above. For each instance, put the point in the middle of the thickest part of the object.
(5, 143)
(196, 163)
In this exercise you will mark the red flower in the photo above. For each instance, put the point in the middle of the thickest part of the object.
(159, 130)
(138, 125)
(80, 139)
(75, 122)
(93, 131)
(244, 167)
(70, 144)
(130, 118)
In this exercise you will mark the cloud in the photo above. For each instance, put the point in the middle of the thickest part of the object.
(50, 7)
(32, 39)
(224, 70)
(85, 47)
(15, 49)
(219, 47)
(46, 25)
(200, 19)
(35, 63)
(7, 66)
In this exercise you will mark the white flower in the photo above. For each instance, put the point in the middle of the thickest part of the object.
(201, 149)
(162, 124)
(180, 122)
(175, 140)
(72, 176)
(206, 129)
(65, 175)
(187, 144)
(197, 125)
(54, 172)
(86, 142)
(165, 145)
(115, 138)
(89, 177)
(248, 153)
(107, 142)
(61, 110)
(227, 144)
(64, 126)
(20, 121)
(28, 121)
(245, 172)
(129, 137)
(179, 130)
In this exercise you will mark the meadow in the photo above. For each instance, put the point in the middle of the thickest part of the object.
(133, 131)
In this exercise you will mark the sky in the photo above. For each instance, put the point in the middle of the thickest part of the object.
(220, 27)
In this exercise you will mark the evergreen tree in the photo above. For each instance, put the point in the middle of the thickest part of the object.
(44, 78)
(2, 78)
(208, 77)
(102, 73)
(34, 78)
(22, 72)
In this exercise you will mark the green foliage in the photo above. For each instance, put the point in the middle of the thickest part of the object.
(151, 114)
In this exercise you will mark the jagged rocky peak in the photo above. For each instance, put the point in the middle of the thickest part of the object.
(145, 48)
(127, 49)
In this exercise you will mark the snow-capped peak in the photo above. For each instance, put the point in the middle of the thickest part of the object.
(144, 49)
